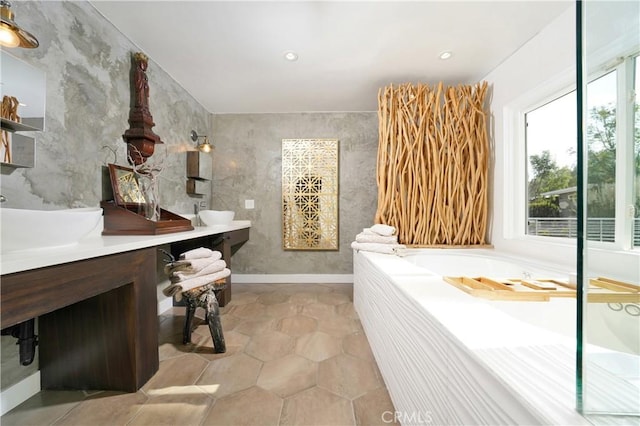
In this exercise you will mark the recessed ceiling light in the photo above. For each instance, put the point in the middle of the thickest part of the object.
(445, 55)
(290, 55)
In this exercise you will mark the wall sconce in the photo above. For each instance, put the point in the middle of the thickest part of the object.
(205, 146)
(11, 35)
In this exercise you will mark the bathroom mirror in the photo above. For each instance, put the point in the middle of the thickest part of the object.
(310, 194)
(28, 85)
(126, 187)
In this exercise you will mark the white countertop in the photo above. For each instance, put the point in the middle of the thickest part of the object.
(95, 245)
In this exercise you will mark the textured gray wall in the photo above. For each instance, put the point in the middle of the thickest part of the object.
(87, 63)
(247, 164)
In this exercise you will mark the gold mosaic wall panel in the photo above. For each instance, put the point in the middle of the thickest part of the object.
(310, 194)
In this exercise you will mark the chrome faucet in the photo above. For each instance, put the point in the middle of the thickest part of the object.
(3, 198)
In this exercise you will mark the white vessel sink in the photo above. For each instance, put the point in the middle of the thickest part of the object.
(22, 229)
(216, 217)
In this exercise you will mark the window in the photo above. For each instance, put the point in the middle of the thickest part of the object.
(613, 162)
(551, 168)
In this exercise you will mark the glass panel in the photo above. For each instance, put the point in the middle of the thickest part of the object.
(551, 168)
(636, 153)
(608, 382)
(601, 155)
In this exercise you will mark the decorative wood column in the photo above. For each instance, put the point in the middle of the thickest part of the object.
(140, 139)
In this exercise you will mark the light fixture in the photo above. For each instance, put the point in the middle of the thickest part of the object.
(205, 146)
(11, 35)
(290, 55)
(447, 54)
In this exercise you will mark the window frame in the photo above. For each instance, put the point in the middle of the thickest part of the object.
(515, 164)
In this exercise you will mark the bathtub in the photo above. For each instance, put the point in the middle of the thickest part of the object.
(450, 358)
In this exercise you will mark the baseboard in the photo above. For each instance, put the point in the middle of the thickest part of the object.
(292, 278)
(15, 395)
(164, 305)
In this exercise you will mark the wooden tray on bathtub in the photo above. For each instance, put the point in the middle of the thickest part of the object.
(602, 290)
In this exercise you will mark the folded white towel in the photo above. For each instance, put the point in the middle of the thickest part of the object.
(382, 229)
(212, 267)
(379, 248)
(191, 266)
(375, 238)
(177, 289)
(200, 253)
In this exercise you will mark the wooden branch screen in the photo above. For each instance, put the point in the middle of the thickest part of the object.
(433, 156)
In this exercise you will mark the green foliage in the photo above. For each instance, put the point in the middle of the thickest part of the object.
(547, 176)
(544, 207)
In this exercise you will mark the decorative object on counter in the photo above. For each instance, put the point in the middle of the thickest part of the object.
(433, 160)
(133, 212)
(310, 194)
(148, 175)
(140, 139)
(11, 35)
(205, 146)
(9, 111)
(198, 275)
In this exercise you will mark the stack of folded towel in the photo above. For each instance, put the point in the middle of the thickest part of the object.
(379, 238)
(194, 268)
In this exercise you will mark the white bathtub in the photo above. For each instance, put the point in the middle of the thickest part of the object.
(452, 358)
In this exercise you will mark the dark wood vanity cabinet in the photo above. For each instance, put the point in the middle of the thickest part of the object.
(98, 319)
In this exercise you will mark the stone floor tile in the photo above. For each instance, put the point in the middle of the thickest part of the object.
(273, 298)
(356, 344)
(251, 407)
(180, 371)
(235, 343)
(375, 408)
(318, 346)
(281, 310)
(242, 298)
(303, 298)
(347, 376)
(228, 375)
(44, 408)
(317, 406)
(105, 408)
(333, 298)
(319, 311)
(338, 326)
(297, 325)
(270, 345)
(178, 408)
(346, 310)
(257, 326)
(288, 375)
(249, 311)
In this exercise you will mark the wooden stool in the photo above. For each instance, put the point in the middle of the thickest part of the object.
(205, 297)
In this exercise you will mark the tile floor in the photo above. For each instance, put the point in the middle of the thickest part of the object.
(296, 355)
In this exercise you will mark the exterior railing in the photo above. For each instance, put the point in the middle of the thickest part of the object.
(598, 229)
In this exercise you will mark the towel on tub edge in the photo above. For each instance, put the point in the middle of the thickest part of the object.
(380, 229)
(375, 238)
(379, 247)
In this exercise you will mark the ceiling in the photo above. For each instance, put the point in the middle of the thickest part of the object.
(230, 55)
